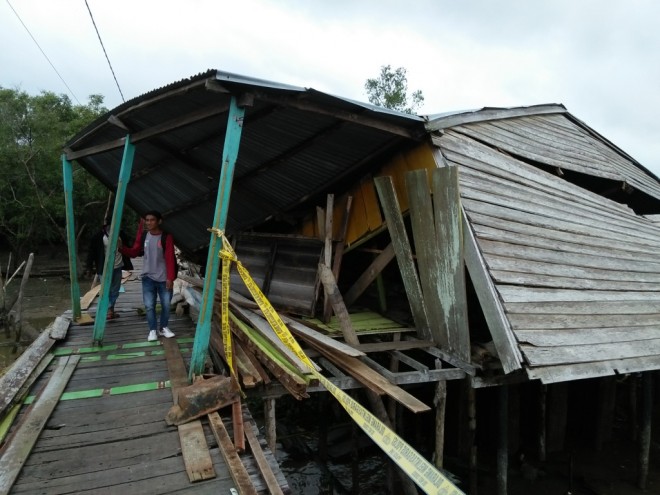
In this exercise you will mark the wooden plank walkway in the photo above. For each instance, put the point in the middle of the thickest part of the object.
(107, 433)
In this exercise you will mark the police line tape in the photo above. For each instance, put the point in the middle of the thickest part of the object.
(421, 471)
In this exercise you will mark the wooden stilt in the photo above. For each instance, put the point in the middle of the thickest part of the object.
(645, 430)
(440, 403)
(503, 440)
(557, 413)
(472, 430)
(543, 395)
(605, 415)
(323, 427)
(632, 401)
(269, 416)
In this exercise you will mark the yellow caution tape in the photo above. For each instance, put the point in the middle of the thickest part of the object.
(420, 470)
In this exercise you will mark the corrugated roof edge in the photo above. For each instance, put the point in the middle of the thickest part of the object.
(231, 79)
(451, 119)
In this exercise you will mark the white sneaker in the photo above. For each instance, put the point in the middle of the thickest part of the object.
(166, 332)
(152, 336)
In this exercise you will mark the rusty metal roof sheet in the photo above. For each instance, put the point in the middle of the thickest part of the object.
(297, 144)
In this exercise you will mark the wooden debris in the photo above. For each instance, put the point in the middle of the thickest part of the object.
(59, 328)
(194, 449)
(201, 398)
(236, 468)
(18, 449)
(264, 467)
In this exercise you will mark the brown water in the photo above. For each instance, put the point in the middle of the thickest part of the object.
(44, 299)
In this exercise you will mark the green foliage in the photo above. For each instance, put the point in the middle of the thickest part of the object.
(390, 90)
(33, 130)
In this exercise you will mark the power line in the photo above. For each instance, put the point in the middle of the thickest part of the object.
(44, 53)
(106, 53)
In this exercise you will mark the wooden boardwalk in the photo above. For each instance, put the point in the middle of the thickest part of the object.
(107, 432)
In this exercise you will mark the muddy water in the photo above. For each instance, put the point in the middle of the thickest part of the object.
(44, 299)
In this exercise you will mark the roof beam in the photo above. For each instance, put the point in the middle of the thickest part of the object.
(150, 132)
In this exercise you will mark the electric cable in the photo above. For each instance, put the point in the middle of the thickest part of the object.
(44, 53)
(106, 53)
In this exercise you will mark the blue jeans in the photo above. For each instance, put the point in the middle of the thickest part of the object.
(151, 288)
(115, 285)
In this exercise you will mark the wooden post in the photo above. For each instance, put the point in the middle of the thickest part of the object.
(503, 440)
(605, 413)
(557, 414)
(327, 251)
(271, 430)
(18, 308)
(440, 403)
(472, 431)
(645, 430)
(229, 157)
(543, 395)
(323, 427)
(67, 179)
(113, 235)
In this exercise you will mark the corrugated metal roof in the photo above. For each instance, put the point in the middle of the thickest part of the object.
(296, 145)
(578, 276)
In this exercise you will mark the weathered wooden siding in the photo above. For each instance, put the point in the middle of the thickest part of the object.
(558, 141)
(578, 275)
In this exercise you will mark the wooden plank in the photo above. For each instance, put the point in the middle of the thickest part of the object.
(567, 270)
(264, 466)
(394, 346)
(87, 299)
(303, 331)
(507, 250)
(338, 306)
(504, 192)
(327, 250)
(403, 252)
(543, 356)
(517, 294)
(498, 324)
(579, 371)
(238, 472)
(373, 380)
(194, 449)
(536, 280)
(553, 337)
(584, 321)
(571, 245)
(427, 249)
(59, 328)
(369, 275)
(14, 378)
(448, 223)
(612, 307)
(18, 449)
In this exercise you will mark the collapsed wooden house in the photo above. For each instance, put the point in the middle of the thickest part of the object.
(504, 246)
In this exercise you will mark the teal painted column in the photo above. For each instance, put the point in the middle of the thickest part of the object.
(117, 211)
(67, 179)
(229, 156)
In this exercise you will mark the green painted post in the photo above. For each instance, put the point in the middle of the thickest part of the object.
(117, 211)
(229, 156)
(67, 176)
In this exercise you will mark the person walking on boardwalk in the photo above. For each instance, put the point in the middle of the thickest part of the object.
(96, 260)
(158, 271)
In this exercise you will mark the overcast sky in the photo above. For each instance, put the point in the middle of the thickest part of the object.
(597, 57)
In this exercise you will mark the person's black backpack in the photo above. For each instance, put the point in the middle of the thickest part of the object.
(163, 240)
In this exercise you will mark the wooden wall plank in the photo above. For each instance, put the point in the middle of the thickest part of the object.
(513, 293)
(449, 231)
(427, 250)
(552, 337)
(536, 280)
(503, 338)
(562, 320)
(612, 307)
(396, 227)
(543, 356)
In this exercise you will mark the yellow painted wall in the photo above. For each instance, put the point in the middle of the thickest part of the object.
(365, 214)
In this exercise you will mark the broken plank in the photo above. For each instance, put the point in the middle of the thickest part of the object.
(264, 467)
(236, 468)
(58, 328)
(369, 275)
(375, 381)
(194, 449)
(19, 372)
(18, 449)
(307, 333)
